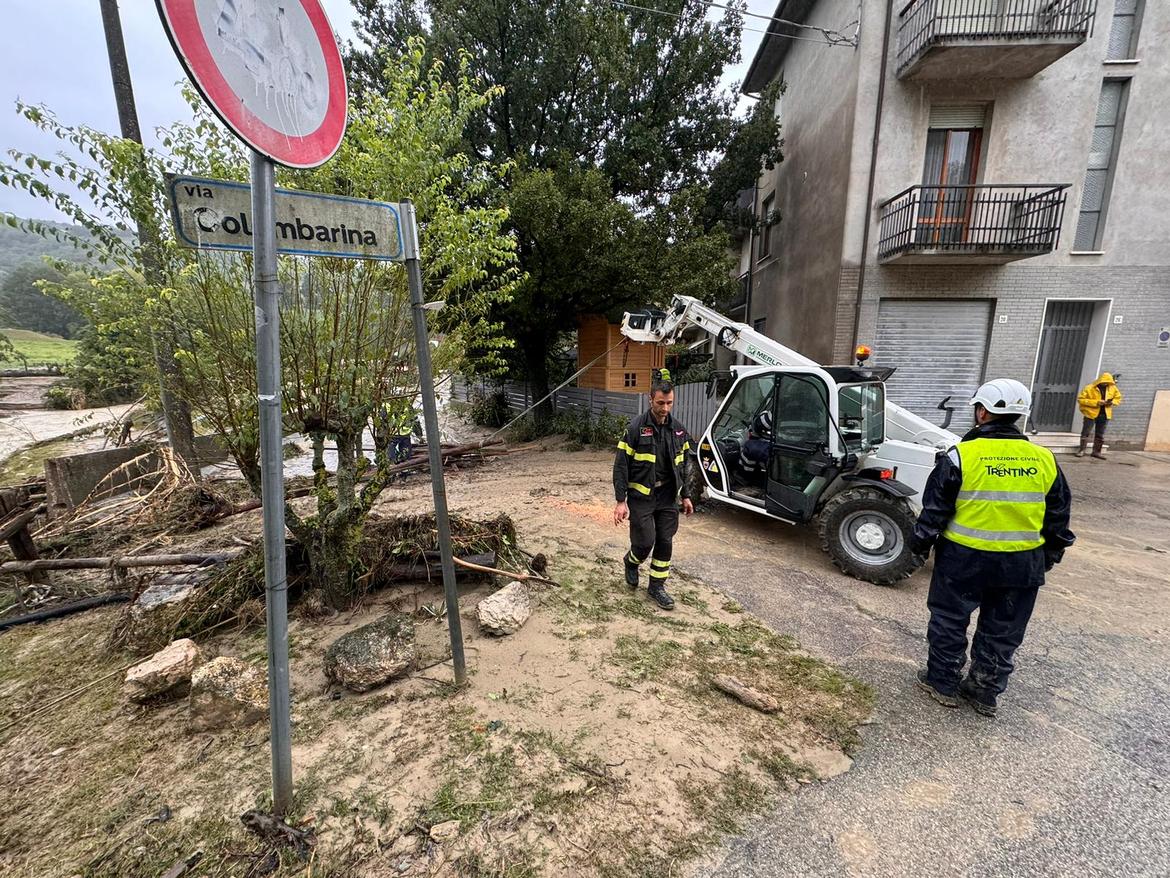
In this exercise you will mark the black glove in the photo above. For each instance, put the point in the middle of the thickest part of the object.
(920, 547)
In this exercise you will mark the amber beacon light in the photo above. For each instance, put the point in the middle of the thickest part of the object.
(862, 353)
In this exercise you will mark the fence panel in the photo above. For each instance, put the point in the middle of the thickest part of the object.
(693, 408)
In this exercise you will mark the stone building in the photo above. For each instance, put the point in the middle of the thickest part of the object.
(975, 188)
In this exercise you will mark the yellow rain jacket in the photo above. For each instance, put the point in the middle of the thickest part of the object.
(1090, 400)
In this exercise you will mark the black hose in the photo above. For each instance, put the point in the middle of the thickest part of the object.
(65, 609)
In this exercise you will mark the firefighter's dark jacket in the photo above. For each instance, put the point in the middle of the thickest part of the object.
(634, 463)
(960, 563)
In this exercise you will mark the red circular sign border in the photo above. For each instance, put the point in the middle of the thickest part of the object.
(309, 151)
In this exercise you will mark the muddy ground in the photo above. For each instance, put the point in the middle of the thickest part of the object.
(589, 743)
(1069, 780)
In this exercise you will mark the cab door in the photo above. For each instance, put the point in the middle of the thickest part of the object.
(801, 446)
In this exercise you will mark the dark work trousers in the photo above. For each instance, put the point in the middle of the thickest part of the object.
(653, 524)
(1100, 422)
(1003, 618)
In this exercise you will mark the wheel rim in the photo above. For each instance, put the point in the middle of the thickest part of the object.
(871, 537)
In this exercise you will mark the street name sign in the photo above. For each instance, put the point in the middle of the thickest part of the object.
(271, 71)
(217, 215)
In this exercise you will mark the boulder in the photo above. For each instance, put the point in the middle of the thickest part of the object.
(163, 672)
(506, 610)
(373, 654)
(227, 692)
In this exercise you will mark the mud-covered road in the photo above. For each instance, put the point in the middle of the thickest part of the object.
(1072, 779)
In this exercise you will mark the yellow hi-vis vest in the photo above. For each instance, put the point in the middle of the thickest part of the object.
(1000, 507)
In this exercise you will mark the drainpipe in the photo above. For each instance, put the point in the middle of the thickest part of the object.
(877, 130)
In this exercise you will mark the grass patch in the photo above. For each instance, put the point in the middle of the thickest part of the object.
(37, 348)
(645, 659)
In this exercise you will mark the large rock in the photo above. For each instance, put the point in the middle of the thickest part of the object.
(154, 615)
(227, 692)
(373, 654)
(163, 672)
(506, 610)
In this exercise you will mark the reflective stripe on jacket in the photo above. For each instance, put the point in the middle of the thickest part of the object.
(1001, 504)
(635, 460)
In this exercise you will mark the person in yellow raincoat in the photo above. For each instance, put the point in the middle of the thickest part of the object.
(1096, 403)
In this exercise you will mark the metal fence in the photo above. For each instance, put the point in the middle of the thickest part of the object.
(692, 407)
(1018, 219)
(923, 23)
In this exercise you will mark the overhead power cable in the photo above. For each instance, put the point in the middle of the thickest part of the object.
(828, 36)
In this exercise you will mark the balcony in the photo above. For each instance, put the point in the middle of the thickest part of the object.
(967, 225)
(988, 39)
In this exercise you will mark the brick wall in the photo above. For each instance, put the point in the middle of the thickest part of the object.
(1141, 296)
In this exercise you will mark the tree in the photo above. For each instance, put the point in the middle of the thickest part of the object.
(25, 305)
(347, 339)
(614, 118)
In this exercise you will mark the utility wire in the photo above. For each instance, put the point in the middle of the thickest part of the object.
(828, 37)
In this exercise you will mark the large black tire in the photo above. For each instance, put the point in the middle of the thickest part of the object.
(867, 534)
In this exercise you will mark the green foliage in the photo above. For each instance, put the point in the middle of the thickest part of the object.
(489, 408)
(614, 117)
(24, 304)
(755, 143)
(20, 246)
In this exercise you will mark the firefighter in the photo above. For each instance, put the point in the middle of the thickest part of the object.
(996, 511)
(394, 428)
(648, 480)
(1097, 402)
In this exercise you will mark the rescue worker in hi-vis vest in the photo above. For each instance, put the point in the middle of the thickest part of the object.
(648, 480)
(996, 511)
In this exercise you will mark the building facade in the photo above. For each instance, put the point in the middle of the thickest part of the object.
(976, 189)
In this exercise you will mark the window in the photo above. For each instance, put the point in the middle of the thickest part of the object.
(953, 144)
(1123, 33)
(1102, 161)
(760, 325)
(766, 232)
(631, 379)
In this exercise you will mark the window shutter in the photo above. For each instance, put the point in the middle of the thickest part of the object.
(958, 115)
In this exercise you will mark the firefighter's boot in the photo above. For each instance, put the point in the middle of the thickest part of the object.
(659, 596)
(631, 572)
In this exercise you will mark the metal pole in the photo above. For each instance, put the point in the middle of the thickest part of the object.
(431, 419)
(176, 412)
(267, 302)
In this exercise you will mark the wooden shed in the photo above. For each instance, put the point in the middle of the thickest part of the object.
(626, 368)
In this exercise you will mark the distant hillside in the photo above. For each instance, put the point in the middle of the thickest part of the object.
(18, 247)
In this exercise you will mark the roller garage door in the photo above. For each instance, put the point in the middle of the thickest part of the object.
(939, 347)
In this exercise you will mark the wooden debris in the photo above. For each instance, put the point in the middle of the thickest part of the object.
(749, 696)
(276, 831)
(183, 866)
(116, 561)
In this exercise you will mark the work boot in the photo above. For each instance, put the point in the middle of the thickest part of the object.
(1098, 444)
(938, 695)
(659, 596)
(631, 573)
(1081, 450)
(980, 699)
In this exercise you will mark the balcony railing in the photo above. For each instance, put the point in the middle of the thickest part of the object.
(923, 24)
(972, 223)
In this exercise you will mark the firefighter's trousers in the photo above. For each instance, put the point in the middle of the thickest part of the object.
(653, 524)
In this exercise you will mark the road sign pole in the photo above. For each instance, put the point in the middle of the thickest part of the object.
(267, 301)
(431, 419)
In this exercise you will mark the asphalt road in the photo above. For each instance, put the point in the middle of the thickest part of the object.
(1072, 778)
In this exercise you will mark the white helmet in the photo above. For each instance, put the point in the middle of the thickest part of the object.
(1004, 396)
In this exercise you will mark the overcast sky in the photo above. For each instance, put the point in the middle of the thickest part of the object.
(53, 52)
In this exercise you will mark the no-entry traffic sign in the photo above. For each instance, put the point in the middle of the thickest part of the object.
(273, 74)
